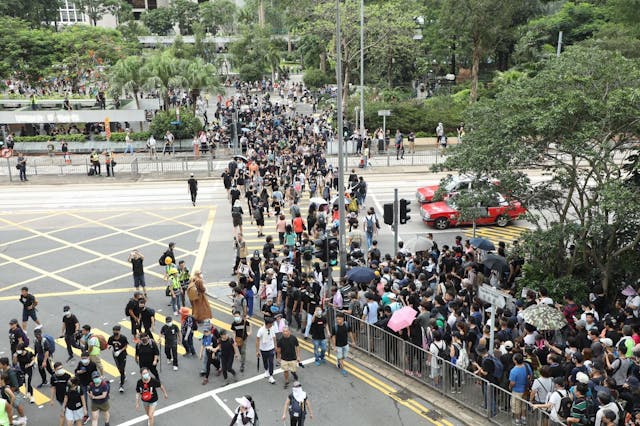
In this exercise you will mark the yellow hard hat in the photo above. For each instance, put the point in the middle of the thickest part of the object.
(168, 260)
(173, 271)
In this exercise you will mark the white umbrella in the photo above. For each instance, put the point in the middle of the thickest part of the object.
(318, 201)
(418, 244)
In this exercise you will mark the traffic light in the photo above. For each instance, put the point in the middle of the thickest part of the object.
(333, 251)
(404, 210)
(321, 248)
(388, 213)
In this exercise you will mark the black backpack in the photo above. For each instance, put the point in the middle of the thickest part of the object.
(566, 403)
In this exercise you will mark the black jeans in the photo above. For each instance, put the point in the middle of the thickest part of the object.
(121, 363)
(43, 371)
(171, 352)
(227, 366)
(267, 360)
(211, 360)
(70, 340)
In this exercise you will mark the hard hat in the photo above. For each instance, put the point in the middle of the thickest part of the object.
(168, 260)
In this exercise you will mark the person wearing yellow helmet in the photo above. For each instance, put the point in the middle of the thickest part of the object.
(173, 288)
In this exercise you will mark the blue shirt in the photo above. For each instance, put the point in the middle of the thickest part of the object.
(518, 375)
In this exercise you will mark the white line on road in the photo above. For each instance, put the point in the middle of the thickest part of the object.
(212, 393)
(222, 404)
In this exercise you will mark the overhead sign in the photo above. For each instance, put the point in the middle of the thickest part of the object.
(488, 294)
(384, 113)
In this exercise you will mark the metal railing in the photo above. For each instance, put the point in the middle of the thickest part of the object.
(477, 394)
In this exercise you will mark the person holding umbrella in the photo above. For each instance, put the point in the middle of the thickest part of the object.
(297, 404)
(340, 337)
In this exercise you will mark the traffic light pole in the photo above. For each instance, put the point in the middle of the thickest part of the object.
(396, 220)
(342, 249)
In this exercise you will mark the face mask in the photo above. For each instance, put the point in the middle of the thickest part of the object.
(84, 361)
(146, 376)
(97, 381)
(60, 372)
(67, 314)
(169, 323)
(20, 352)
(318, 313)
(237, 319)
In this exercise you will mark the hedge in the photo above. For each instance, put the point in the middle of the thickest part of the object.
(115, 137)
(120, 136)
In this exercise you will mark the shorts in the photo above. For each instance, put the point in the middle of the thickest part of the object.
(342, 352)
(289, 366)
(138, 281)
(18, 400)
(518, 405)
(260, 222)
(149, 404)
(104, 407)
(73, 415)
(29, 313)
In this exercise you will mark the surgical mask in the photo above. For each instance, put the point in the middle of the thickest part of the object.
(67, 314)
(146, 376)
(318, 312)
(84, 361)
(97, 380)
(20, 352)
(169, 323)
(59, 372)
(237, 319)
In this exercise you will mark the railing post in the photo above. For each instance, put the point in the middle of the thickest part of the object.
(9, 168)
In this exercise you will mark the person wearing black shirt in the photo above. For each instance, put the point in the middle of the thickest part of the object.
(26, 360)
(193, 188)
(340, 338)
(147, 317)
(16, 336)
(147, 391)
(137, 259)
(294, 306)
(242, 330)
(288, 354)
(133, 312)
(70, 326)
(83, 372)
(59, 387)
(148, 354)
(309, 303)
(29, 304)
(43, 355)
(228, 351)
(74, 404)
(119, 344)
(318, 328)
(171, 334)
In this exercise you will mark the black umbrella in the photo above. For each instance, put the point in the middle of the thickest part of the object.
(240, 157)
(361, 275)
(497, 262)
(482, 244)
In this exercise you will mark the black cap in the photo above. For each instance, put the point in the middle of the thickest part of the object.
(268, 320)
(116, 327)
(66, 308)
(13, 321)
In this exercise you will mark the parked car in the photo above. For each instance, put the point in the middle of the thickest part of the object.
(457, 184)
(443, 214)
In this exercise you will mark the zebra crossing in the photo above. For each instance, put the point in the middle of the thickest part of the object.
(495, 234)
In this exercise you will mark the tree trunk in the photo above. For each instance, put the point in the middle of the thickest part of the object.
(346, 72)
(261, 13)
(289, 44)
(475, 69)
(323, 62)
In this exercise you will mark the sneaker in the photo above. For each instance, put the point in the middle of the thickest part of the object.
(272, 380)
(40, 385)
(323, 361)
(32, 400)
(408, 373)
(344, 373)
(169, 361)
(85, 419)
(266, 374)
(242, 368)
(317, 363)
(70, 358)
(175, 313)
(175, 368)
(205, 381)
(121, 390)
(295, 376)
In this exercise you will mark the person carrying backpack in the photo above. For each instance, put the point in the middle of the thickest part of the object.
(297, 404)
(558, 403)
(371, 226)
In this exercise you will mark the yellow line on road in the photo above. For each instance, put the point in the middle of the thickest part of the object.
(108, 368)
(204, 240)
(44, 273)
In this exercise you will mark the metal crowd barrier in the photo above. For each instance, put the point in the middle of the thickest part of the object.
(477, 394)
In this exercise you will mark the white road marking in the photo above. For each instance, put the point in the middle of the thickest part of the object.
(212, 393)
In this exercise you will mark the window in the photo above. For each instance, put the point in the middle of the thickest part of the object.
(69, 14)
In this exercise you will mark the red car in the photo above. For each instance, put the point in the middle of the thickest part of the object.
(443, 214)
(425, 194)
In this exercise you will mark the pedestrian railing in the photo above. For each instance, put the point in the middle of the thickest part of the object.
(488, 400)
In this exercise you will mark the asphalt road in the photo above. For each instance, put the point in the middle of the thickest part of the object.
(69, 245)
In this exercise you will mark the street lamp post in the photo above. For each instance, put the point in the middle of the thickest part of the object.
(362, 70)
(341, 238)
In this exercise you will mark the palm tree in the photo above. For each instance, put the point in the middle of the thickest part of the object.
(127, 75)
(164, 73)
(272, 58)
(198, 75)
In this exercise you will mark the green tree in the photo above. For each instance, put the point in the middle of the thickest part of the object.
(128, 75)
(188, 127)
(198, 76)
(36, 12)
(159, 21)
(121, 9)
(218, 15)
(575, 119)
(25, 52)
(164, 73)
(94, 9)
(185, 14)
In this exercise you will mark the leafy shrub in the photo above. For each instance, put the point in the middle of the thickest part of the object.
(314, 78)
(188, 127)
(250, 72)
(120, 136)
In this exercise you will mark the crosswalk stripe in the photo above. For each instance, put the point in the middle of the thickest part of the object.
(496, 234)
(39, 397)
(109, 368)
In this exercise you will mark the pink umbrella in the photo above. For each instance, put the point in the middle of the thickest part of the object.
(402, 318)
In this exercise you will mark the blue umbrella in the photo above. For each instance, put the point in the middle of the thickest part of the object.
(482, 244)
(361, 274)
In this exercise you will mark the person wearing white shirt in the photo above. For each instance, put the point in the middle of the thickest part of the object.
(265, 347)
(553, 400)
(606, 403)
